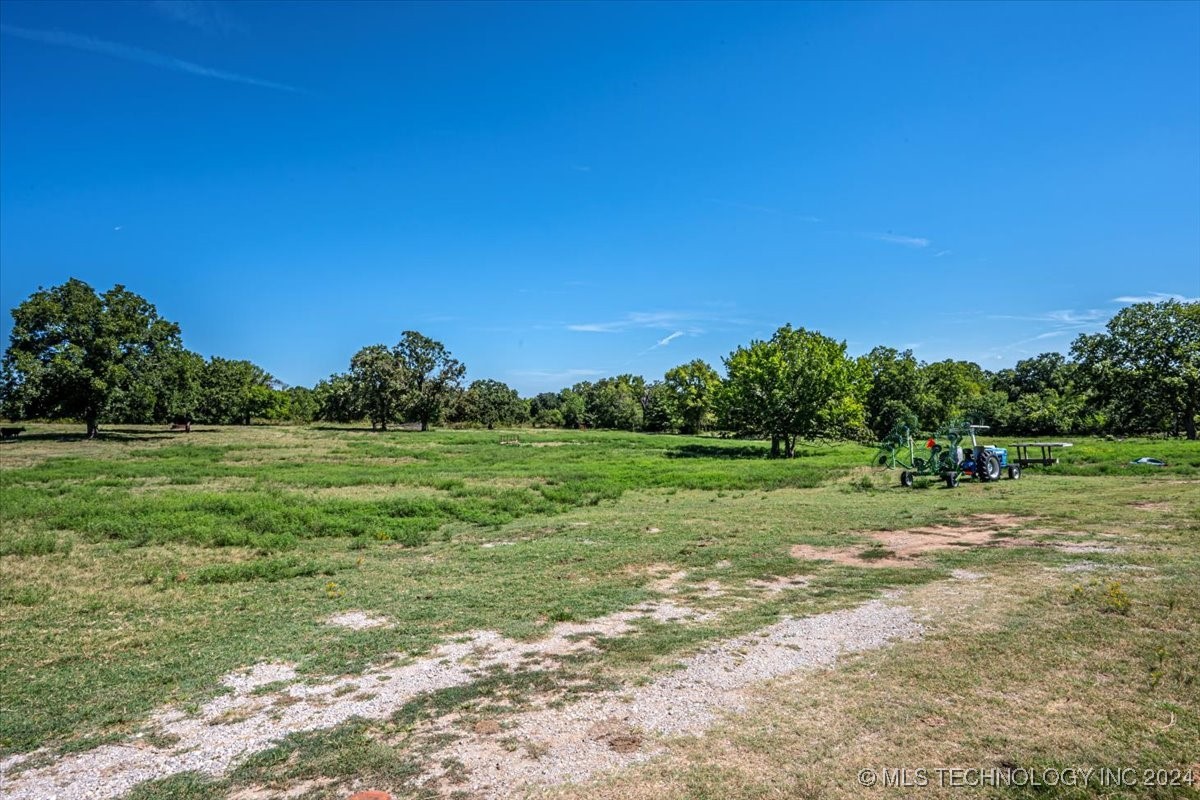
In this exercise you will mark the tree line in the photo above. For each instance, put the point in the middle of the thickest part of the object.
(78, 354)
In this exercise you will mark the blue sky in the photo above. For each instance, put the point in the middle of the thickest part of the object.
(563, 191)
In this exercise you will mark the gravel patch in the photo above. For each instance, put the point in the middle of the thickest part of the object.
(357, 620)
(1074, 547)
(612, 730)
(966, 575)
(244, 721)
(1079, 566)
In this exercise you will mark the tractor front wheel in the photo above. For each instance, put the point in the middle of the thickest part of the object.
(906, 479)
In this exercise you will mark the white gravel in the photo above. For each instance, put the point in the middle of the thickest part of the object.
(357, 620)
(254, 715)
(563, 743)
(242, 722)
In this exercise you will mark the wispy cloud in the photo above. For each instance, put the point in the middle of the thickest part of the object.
(663, 320)
(1063, 319)
(1154, 297)
(766, 210)
(907, 241)
(941, 253)
(130, 53)
(683, 322)
(666, 340)
(555, 375)
(205, 15)
(581, 168)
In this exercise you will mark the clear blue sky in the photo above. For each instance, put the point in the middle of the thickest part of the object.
(563, 191)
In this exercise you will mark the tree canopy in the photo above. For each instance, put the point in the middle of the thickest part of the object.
(73, 351)
(1147, 365)
(78, 354)
(794, 385)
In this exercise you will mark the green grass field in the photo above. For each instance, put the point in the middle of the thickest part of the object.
(137, 570)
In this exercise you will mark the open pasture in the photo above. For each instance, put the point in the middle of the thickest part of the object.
(1050, 621)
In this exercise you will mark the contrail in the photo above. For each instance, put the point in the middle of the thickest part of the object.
(131, 53)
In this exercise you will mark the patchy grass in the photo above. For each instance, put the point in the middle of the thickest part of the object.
(137, 570)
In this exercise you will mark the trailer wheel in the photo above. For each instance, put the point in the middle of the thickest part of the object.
(951, 480)
(1014, 472)
(906, 479)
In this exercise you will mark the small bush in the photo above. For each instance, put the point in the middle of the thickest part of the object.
(1116, 601)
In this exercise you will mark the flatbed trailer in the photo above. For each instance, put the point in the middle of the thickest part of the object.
(1046, 449)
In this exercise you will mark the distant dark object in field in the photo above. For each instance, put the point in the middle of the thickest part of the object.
(182, 424)
(1150, 462)
(10, 433)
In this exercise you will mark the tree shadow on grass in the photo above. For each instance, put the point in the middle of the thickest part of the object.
(714, 451)
(107, 434)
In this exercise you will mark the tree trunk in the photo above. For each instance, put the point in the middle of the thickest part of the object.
(1189, 421)
(424, 424)
(93, 427)
(790, 451)
(774, 445)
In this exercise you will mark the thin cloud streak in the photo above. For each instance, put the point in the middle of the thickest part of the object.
(130, 53)
(907, 241)
(686, 322)
(547, 375)
(1066, 318)
(1154, 297)
(668, 339)
(204, 15)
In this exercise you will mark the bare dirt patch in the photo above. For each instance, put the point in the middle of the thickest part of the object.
(618, 735)
(903, 548)
(780, 584)
(1145, 505)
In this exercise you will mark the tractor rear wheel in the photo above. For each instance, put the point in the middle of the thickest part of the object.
(988, 468)
(906, 479)
(1014, 472)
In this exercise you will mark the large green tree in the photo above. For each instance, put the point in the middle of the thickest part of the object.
(948, 390)
(798, 384)
(894, 389)
(431, 376)
(690, 389)
(379, 383)
(235, 391)
(336, 400)
(73, 351)
(1146, 367)
(492, 403)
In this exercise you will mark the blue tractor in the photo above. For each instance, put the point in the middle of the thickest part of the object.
(949, 462)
